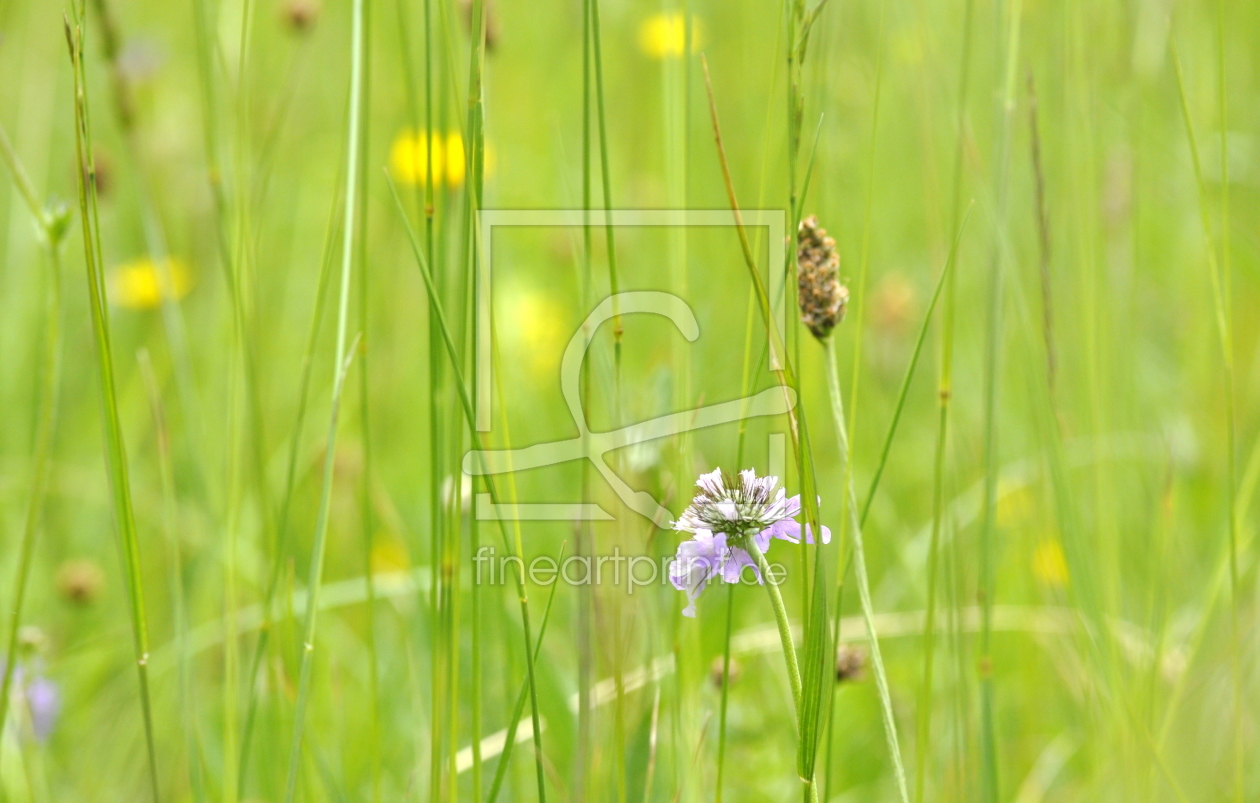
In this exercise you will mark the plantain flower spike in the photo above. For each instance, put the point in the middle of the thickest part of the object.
(822, 297)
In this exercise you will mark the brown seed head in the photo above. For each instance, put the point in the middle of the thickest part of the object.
(80, 581)
(822, 297)
(492, 21)
(300, 15)
(850, 663)
(716, 674)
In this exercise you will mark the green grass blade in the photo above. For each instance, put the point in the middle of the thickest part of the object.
(726, 685)
(179, 607)
(1221, 278)
(817, 677)
(518, 710)
(115, 448)
(470, 419)
(283, 531)
(859, 564)
(992, 373)
(909, 375)
(341, 365)
(48, 394)
(923, 725)
(366, 478)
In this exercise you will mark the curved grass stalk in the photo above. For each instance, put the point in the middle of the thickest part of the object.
(923, 725)
(315, 580)
(1222, 300)
(585, 594)
(342, 361)
(1225, 312)
(860, 301)
(597, 61)
(892, 432)
(115, 448)
(155, 241)
(909, 375)
(901, 401)
(859, 564)
(49, 393)
(818, 648)
(750, 316)
(179, 611)
(282, 528)
(1032, 621)
(785, 374)
(511, 549)
(500, 771)
(365, 429)
(992, 372)
(865, 253)
(475, 172)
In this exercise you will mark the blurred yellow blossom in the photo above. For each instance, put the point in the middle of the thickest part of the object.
(388, 555)
(138, 284)
(454, 161)
(409, 158)
(1049, 563)
(1015, 503)
(664, 36)
(537, 323)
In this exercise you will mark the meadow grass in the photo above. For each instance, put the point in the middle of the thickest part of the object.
(238, 545)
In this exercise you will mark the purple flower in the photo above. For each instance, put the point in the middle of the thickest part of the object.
(44, 701)
(41, 696)
(723, 515)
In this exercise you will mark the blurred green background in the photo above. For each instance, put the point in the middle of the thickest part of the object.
(1123, 659)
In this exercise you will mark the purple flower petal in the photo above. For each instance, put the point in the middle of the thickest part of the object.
(826, 535)
(785, 530)
(793, 507)
(739, 560)
(697, 561)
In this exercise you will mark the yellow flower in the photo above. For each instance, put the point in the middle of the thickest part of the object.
(388, 555)
(138, 284)
(1049, 564)
(664, 36)
(1015, 504)
(454, 159)
(536, 321)
(409, 158)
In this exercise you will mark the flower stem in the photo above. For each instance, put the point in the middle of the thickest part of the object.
(726, 684)
(781, 619)
(785, 635)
